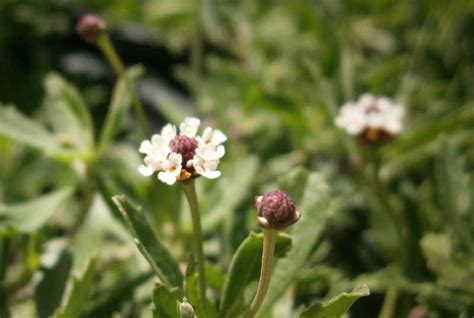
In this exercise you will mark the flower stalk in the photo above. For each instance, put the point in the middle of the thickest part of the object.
(110, 53)
(190, 193)
(269, 240)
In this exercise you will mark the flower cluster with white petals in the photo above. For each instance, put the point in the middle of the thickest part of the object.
(371, 117)
(185, 155)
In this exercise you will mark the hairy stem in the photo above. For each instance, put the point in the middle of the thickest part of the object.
(269, 240)
(190, 192)
(107, 48)
(389, 303)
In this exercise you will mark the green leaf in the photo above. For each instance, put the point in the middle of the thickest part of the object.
(192, 292)
(315, 211)
(245, 267)
(159, 257)
(30, 216)
(67, 113)
(164, 302)
(337, 306)
(80, 289)
(119, 104)
(17, 126)
(50, 290)
(233, 186)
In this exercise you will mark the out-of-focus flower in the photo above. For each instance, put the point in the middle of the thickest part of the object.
(185, 155)
(375, 119)
(90, 27)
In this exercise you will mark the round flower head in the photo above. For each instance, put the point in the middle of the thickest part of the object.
(375, 119)
(276, 210)
(185, 155)
(90, 27)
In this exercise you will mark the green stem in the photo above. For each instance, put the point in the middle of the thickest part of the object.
(109, 51)
(389, 303)
(196, 49)
(87, 194)
(269, 240)
(190, 192)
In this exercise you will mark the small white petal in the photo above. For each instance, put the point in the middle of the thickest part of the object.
(211, 174)
(145, 147)
(189, 127)
(218, 137)
(167, 177)
(146, 170)
(168, 132)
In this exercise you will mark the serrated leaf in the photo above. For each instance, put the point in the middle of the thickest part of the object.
(337, 306)
(164, 302)
(121, 100)
(30, 216)
(80, 289)
(67, 113)
(157, 255)
(17, 126)
(315, 211)
(245, 267)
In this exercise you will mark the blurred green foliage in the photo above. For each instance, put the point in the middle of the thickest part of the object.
(271, 75)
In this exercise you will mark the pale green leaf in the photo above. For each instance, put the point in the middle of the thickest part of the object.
(27, 217)
(17, 126)
(121, 100)
(67, 113)
(337, 306)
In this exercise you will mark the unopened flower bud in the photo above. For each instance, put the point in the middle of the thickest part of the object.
(186, 310)
(276, 210)
(185, 146)
(90, 27)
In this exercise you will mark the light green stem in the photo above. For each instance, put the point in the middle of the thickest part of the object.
(190, 192)
(107, 48)
(269, 240)
(390, 301)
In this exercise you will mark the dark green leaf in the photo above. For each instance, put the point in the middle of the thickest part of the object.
(50, 290)
(164, 302)
(159, 257)
(306, 232)
(80, 289)
(245, 267)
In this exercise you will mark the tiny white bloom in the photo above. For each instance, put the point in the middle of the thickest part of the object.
(210, 151)
(189, 127)
(212, 136)
(164, 152)
(171, 169)
(206, 168)
(370, 112)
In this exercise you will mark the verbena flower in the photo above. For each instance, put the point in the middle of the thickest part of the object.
(185, 155)
(276, 210)
(373, 118)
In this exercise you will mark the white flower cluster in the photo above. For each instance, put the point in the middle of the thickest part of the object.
(205, 151)
(371, 112)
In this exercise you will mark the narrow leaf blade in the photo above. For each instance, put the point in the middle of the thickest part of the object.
(157, 255)
(337, 306)
(245, 267)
